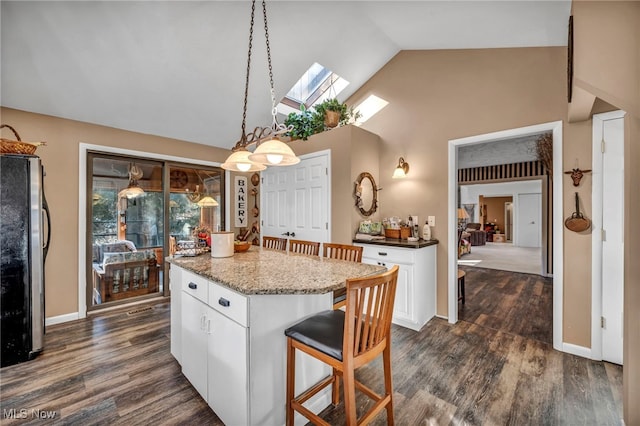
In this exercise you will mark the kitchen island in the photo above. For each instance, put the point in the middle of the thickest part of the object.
(228, 317)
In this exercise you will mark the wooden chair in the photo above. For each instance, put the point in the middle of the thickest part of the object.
(341, 252)
(275, 243)
(310, 248)
(346, 340)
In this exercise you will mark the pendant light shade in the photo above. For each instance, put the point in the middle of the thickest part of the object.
(131, 191)
(207, 201)
(274, 153)
(239, 161)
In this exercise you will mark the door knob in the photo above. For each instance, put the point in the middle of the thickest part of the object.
(289, 234)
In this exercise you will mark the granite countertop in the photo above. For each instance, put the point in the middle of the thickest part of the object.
(396, 242)
(265, 271)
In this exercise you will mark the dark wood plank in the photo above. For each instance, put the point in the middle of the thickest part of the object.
(117, 369)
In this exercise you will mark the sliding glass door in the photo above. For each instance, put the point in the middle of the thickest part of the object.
(127, 234)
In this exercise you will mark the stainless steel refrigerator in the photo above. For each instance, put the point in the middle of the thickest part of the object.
(24, 242)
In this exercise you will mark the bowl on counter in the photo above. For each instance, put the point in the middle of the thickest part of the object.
(241, 246)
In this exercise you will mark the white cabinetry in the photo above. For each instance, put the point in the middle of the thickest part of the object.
(233, 348)
(415, 302)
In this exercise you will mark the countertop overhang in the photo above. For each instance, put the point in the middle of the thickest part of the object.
(396, 242)
(265, 271)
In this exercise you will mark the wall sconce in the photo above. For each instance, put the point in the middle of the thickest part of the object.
(401, 170)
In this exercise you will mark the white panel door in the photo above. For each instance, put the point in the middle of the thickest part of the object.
(613, 241)
(529, 220)
(296, 200)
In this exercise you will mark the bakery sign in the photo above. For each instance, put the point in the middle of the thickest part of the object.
(241, 202)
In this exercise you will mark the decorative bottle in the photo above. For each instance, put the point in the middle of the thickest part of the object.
(426, 232)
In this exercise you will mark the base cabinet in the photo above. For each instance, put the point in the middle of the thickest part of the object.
(415, 301)
(233, 349)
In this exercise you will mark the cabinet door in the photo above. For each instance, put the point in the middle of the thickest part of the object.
(176, 316)
(403, 304)
(403, 309)
(194, 342)
(227, 374)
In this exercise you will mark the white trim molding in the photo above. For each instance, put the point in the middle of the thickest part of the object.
(59, 319)
(558, 244)
(84, 148)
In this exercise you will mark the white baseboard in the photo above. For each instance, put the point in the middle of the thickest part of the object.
(62, 318)
(576, 350)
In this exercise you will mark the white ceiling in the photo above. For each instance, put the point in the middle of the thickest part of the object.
(177, 69)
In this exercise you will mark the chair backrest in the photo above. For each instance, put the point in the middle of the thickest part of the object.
(310, 248)
(275, 243)
(342, 252)
(368, 313)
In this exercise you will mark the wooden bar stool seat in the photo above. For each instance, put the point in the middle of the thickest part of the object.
(346, 340)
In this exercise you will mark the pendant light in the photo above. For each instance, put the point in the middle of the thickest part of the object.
(133, 190)
(270, 150)
(207, 201)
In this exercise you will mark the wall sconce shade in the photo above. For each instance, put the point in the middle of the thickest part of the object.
(401, 170)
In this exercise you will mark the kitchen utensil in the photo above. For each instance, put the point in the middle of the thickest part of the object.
(255, 210)
(256, 241)
(577, 222)
(255, 179)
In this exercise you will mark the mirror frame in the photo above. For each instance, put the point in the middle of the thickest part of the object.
(358, 194)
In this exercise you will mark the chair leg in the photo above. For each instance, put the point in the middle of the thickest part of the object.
(335, 394)
(388, 384)
(462, 283)
(291, 380)
(349, 390)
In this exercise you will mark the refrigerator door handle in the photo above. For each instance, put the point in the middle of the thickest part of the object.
(47, 215)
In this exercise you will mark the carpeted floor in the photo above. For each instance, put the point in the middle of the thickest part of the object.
(504, 256)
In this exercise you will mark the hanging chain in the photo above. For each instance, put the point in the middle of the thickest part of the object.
(271, 88)
(243, 137)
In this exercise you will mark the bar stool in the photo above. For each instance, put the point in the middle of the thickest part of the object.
(461, 275)
(346, 340)
(310, 248)
(341, 252)
(275, 243)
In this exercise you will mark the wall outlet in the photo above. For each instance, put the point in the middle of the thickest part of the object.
(432, 221)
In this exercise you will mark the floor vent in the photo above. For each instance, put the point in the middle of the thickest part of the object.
(137, 311)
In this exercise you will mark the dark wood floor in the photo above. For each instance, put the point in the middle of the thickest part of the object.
(117, 369)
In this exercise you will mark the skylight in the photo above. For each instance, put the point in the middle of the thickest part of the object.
(316, 84)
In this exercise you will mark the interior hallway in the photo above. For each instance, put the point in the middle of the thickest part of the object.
(505, 257)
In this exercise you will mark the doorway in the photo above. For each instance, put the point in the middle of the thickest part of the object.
(556, 218)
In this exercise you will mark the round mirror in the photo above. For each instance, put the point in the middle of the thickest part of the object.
(366, 193)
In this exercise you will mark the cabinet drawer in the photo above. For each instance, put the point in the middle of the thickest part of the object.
(195, 285)
(389, 254)
(228, 303)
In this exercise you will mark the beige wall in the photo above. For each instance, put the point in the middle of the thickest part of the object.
(436, 96)
(607, 66)
(353, 150)
(61, 162)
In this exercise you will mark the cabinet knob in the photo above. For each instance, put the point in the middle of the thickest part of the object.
(382, 253)
(193, 286)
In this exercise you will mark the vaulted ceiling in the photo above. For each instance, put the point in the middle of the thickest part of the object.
(177, 68)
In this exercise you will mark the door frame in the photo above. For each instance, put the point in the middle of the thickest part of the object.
(558, 222)
(84, 148)
(596, 224)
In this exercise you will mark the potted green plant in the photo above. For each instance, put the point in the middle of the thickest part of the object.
(304, 124)
(335, 113)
